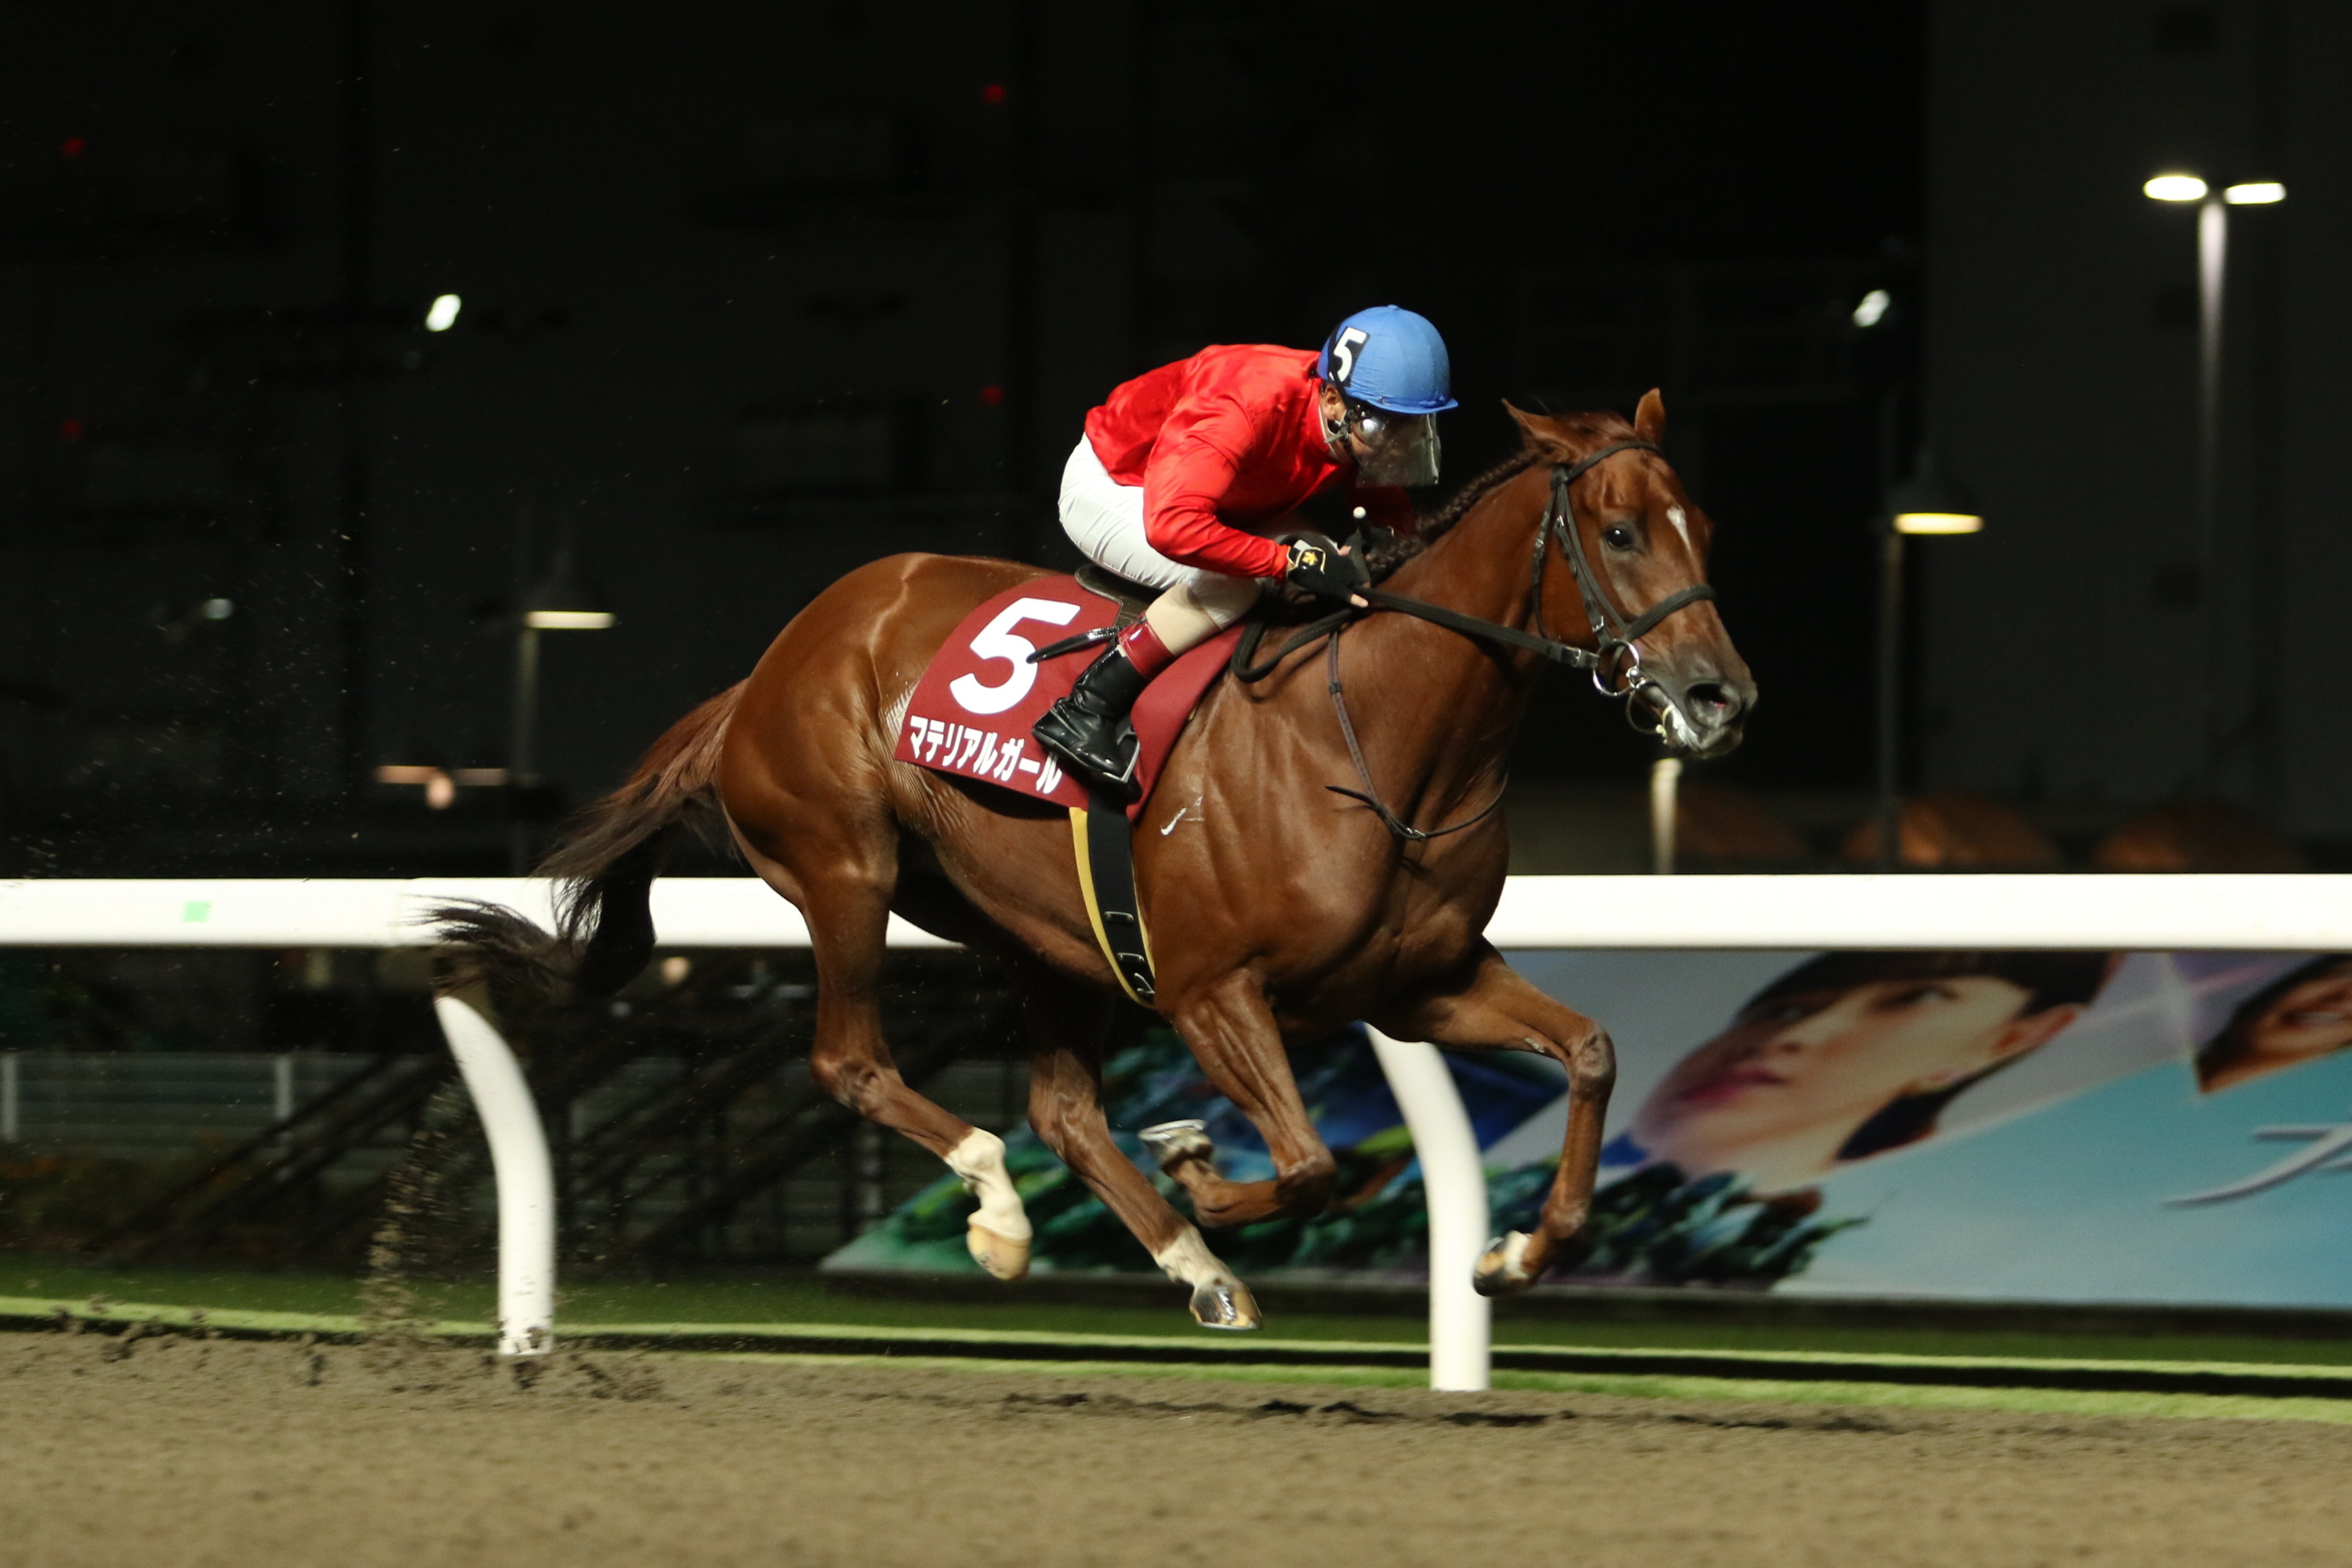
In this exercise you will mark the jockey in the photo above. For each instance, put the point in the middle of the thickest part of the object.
(1182, 472)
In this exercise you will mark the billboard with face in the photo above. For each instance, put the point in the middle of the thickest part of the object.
(2057, 1126)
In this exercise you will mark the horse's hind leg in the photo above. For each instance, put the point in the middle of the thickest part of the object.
(1233, 1037)
(846, 903)
(1066, 1025)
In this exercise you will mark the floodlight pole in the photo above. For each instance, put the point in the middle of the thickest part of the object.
(1666, 808)
(2212, 276)
(522, 733)
(1890, 682)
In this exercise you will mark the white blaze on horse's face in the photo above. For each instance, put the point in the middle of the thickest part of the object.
(1681, 520)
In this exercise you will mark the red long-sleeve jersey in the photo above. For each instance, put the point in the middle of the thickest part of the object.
(1228, 440)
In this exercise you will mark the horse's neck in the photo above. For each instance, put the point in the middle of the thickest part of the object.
(1482, 565)
(1450, 703)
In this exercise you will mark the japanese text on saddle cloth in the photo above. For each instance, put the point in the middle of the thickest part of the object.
(972, 712)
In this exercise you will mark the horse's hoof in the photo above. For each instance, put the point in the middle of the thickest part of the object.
(1001, 1256)
(1227, 1306)
(1503, 1268)
(1173, 1142)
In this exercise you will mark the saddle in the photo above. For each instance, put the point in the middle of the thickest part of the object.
(1013, 657)
(993, 679)
(1132, 598)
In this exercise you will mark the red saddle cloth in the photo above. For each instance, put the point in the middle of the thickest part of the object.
(973, 710)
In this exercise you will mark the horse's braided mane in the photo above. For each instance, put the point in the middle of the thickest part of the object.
(1394, 550)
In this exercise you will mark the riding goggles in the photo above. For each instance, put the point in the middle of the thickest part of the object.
(1391, 449)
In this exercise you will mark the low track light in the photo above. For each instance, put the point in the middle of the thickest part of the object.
(1938, 522)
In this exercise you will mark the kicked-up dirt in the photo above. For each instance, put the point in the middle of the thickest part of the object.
(169, 1451)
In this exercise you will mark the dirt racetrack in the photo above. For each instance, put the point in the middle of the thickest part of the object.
(163, 1452)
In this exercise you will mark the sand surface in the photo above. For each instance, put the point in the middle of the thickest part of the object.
(170, 1451)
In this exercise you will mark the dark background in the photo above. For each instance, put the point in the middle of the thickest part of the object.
(753, 294)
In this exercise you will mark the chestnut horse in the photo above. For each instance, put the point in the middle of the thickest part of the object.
(1282, 909)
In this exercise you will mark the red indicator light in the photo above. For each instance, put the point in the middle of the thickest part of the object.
(72, 147)
(69, 429)
(992, 93)
(992, 396)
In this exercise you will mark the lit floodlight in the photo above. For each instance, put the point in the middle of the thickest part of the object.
(1938, 522)
(2176, 188)
(216, 610)
(2254, 194)
(568, 620)
(1928, 503)
(1871, 309)
(443, 314)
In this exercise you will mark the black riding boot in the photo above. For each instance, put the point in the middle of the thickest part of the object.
(1087, 730)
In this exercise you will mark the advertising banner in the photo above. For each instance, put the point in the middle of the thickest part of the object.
(2057, 1126)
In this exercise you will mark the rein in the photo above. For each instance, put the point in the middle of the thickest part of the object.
(1612, 635)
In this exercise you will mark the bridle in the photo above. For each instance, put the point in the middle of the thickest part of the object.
(1611, 634)
(1615, 638)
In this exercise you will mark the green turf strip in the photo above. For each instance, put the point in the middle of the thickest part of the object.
(2263, 1383)
(590, 1303)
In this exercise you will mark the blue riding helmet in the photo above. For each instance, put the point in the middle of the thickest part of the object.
(1390, 358)
(1390, 367)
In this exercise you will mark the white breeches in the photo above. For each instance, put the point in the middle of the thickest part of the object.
(1104, 519)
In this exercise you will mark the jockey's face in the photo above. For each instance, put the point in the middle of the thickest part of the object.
(1386, 448)
(1342, 441)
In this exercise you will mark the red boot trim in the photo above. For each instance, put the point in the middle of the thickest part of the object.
(1145, 651)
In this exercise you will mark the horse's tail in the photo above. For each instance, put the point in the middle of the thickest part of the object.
(605, 862)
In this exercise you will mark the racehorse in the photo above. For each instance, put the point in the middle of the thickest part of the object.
(1285, 905)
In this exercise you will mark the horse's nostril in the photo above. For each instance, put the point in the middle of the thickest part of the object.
(1718, 700)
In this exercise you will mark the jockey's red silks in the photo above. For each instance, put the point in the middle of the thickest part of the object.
(1145, 651)
(1229, 439)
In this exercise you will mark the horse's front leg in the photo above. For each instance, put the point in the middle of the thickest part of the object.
(1233, 1037)
(1498, 1011)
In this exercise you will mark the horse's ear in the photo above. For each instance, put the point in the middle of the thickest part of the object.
(1535, 430)
(1650, 418)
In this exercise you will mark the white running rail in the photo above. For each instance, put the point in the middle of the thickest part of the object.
(2117, 914)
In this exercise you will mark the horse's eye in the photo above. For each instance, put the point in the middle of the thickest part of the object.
(1618, 538)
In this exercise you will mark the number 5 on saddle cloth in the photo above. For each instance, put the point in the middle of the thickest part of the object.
(973, 709)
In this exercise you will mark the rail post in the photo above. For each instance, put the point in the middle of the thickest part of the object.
(522, 1170)
(1460, 1320)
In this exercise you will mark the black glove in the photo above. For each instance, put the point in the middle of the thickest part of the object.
(1315, 566)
